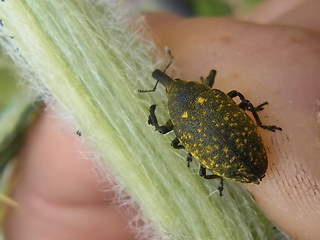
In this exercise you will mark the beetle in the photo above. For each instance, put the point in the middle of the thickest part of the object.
(213, 128)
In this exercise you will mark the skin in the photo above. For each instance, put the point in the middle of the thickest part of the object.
(280, 65)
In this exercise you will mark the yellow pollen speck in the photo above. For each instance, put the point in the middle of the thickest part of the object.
(246, 128)
(240, 145)
(185, 115)
(200, 124)
(216, 156)
(204, 135)
(204, 163)
(236, 114)
(231, 134)
(245, 140)
(225, 149)
(243, 133)
(216, 147)
(237, 140)
(201, 100)
(226, 166)
(214, 139)
(226, 118)
(199, 130)
(217, 125)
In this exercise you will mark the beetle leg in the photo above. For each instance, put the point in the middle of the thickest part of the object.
(247, 105)
(189, 159)
(233, 94)
(202, 173)
(209, 81)
(175, 143)
(260, 107)
(154, 122)
(254, 112)
(220, 188)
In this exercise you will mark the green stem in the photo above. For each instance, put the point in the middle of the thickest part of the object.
(85, 56)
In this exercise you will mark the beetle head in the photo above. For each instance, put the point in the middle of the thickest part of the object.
(163, 78)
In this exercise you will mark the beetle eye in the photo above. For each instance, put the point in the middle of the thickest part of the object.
(182, 97)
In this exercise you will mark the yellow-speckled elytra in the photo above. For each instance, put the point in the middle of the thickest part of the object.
(215, 130)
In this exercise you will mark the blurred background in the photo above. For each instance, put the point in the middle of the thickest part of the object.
(198, 7)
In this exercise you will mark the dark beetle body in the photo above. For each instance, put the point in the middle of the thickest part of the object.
(218, 134)
(214, 129)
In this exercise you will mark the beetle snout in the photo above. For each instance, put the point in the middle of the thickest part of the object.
(161, 77)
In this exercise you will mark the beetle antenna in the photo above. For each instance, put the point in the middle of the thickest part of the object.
(171, 58)
(169, 64)
(150, 90)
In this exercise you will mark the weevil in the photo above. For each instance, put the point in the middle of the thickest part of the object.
(213, 128)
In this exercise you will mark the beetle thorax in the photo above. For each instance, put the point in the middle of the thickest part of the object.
(181, 96)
